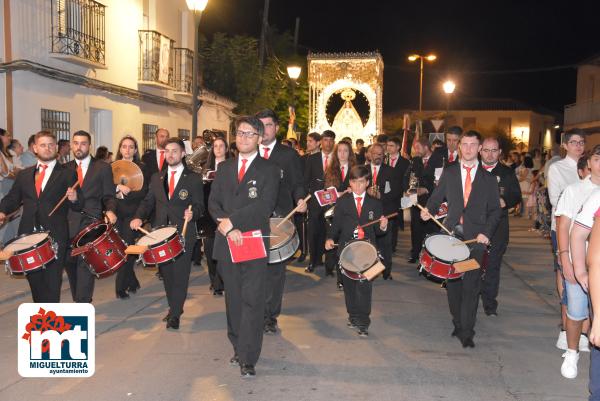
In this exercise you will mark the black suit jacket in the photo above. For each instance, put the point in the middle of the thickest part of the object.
(98, 192)
(482, 213)
(400, 170)
(510, 191)
(345, 219)
(248, 204)
(390, 188)
(36, 210)
(314, 180)
(439, 158)
(291, 184)
(150, 163)
(425, 176)
(164, 211)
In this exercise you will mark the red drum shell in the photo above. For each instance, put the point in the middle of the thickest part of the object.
(164, 251)
(33, 258)
(106, 251)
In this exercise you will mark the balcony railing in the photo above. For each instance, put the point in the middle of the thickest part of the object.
(184, 60)
(78, 30)
(582, 112)
(156, 59)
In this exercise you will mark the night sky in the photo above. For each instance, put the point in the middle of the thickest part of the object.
(478, 44)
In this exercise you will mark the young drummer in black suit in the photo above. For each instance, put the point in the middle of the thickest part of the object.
(170, 194)
(291, 194)
(243, 197)
(98, 189)
(510, 196)
(473, 211)
(351, 210)
(39, 189)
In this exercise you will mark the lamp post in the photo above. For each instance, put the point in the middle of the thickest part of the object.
(294, 73)
(197, 6)
(448, 87)
(415, 57)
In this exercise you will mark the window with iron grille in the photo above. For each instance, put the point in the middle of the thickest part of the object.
(183, 134)
(148, 137)
(156, 58)
(184, 60)
(78, 29)
(57, 122)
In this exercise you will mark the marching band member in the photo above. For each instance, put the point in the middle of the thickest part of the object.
(243, 197)
(313, 139)
(510, 196)
(39, 188)
(127, 202)
(400, 166)
(448, 153)
(96, 183)
(170, 194)
(352, 210)
(473, 211)
(291, 194)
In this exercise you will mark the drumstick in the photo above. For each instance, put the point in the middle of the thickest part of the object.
(389, 216)
(469, 241)
(146, 232)
(185, 223)
(9, 216)
(60, 202)
(434, 219)
(292, 212)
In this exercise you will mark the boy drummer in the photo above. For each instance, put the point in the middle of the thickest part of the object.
(351, 211)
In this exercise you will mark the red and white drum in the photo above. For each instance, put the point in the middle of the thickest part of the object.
(164, 246)
(101, 247)
(359, 260)
(31, 252)
(440, 252)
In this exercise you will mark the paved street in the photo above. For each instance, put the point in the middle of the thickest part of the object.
(408, 356)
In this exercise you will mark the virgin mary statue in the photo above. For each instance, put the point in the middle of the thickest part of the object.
(347, 121)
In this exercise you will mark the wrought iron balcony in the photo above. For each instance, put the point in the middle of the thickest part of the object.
(183, 66)
(156, 59)
(78, 31)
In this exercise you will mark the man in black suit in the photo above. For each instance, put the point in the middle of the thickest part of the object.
(313, 140)
(425, 178)
(400, 166)
(385, 186)
(291, 194)
(473, 211)
(154, 159)
(96, 183)
(242, 198)
(314, 181)
(448, 153)
(39, 188)
(510, 196)
(170, 194)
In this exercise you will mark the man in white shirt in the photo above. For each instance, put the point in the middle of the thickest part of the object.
(560, 175)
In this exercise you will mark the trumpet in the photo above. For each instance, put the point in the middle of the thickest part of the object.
(373, 190)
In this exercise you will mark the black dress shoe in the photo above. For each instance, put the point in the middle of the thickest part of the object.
(454, 333)
(388, 277)
(218, 292)
(235, 360)
(270, 328)
(159, 275)
(301, 258)
(133, 289)
(309, 269)
(412, 260)
(340, 287)
(491, 313)
(363, 332)
(330, 274)
(122, 294)
(351, 324)
(167, 316)
(468, 342)
(173, 323)
(247, 371)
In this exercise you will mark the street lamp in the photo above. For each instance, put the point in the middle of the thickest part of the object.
(448, 87)
(294, 72)
(415, 57)
(197, 6)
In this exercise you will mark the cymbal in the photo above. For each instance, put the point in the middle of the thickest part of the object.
(127, 173)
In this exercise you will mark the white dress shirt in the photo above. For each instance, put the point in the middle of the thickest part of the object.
(248, 163)
(270, 147)
(362, 201)
(48, 173)
(560, 175)
(85, 164)
(454, 154)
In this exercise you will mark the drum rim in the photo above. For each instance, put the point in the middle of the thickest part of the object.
(164, 241)
(31, 248)
(362, 241)
(287, 241)
(435, 257)
(87, 229)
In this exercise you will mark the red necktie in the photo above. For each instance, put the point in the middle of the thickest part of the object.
(266, 153)
(80, 174)
(393, 162)
(488, 168)
(343, 174)
(374, 175)
(161, 161)
(325, 162)
(361, 232)
(172, 184)
(242, 171)
(451, 157)
(468, 184)
(40, 178)
(425, 162)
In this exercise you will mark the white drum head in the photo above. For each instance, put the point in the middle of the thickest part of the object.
(157, 236)
(447, 248)
(358, 256)
(26, 242)
(281, 234)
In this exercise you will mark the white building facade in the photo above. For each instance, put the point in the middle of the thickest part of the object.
(109, 67)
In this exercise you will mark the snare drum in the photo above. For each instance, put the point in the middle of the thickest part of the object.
(284, 241)
(440, 252)
(164, 244)
(31, 252)
(101, 248)
(359, 260)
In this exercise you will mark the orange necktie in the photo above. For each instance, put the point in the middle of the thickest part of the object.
(161, 161)
(79, 174)
(242, 171)
(172, 184)
(467, 191)
(325, 162)
(361, 232)
(40, 178)
(451, 157)
(266, 153)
